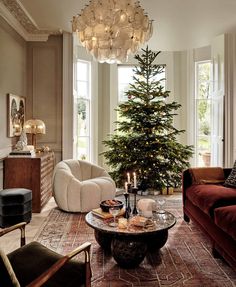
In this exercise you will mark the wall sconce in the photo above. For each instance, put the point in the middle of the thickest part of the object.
(34, 126)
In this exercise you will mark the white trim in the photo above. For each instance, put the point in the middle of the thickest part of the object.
(190, 102)
(67, 97)
(27, 14)
(15, 24)
(94, 112)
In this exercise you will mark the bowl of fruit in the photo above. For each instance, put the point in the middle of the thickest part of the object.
(106, 204)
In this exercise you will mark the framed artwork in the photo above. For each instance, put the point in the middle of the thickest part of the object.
(16, 114)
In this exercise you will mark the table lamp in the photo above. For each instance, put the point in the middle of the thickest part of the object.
(34, 126)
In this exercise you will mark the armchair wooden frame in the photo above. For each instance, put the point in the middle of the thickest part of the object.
(56, 266)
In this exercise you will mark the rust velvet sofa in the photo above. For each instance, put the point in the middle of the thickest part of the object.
(212, 206)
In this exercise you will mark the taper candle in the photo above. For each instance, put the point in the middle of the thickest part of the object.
(135, 180)
(126, 186)
(128, 177)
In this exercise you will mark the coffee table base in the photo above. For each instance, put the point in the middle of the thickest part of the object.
(129, 251)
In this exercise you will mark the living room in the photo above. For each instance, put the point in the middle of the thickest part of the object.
(37, 58)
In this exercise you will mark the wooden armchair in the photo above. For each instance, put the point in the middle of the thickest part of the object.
(34, 265)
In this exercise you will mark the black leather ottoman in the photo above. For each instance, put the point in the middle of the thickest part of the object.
(15, 206)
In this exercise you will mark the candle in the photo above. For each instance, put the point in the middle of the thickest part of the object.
(128, 176)
(126, 186)
(135, 180)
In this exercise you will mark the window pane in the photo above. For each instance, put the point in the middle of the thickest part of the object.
(125, 78)
(83, 117)
(204, 117)
(203, 75)
(83, 151)
(82, 71)
(83, 91)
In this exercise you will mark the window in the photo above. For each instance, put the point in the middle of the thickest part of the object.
(82, 110)
(209, 118)
(203, 104)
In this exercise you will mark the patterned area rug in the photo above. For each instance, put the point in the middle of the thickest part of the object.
(185, 260)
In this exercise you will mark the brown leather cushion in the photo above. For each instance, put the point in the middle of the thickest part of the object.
(208, 197)
(207, 175)
(31, 260)
(225, 218)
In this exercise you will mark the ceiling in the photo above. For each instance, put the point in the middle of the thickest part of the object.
(178, 24)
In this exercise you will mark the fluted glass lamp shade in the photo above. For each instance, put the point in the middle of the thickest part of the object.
(34, 126)
(112, 29)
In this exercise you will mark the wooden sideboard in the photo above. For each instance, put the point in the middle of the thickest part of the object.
(34, 173)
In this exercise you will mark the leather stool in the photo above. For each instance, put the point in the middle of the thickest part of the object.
(15, 206)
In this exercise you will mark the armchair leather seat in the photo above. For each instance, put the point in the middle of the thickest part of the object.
(71, 274)
(34, 265)
(80, 186)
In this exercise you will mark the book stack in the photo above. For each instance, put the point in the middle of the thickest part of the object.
(106, 215)
(22, 153)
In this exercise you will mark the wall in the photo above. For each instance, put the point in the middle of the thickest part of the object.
(44, 90)
(12, 80)
(32, 70)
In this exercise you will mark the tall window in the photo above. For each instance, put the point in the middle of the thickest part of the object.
(82, 110)
(204, 113)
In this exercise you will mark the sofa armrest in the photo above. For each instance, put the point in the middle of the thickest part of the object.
(187, 180)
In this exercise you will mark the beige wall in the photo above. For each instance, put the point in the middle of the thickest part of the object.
(32, 70)
(12, 80)
(44, 90)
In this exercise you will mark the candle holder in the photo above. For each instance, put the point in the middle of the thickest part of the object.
(135, 190)
(127, 213)
(129, 187)
(128, 207)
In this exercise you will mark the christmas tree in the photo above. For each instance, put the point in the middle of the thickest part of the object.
(145, 140)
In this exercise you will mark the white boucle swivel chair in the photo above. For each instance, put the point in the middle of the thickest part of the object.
(80, 186)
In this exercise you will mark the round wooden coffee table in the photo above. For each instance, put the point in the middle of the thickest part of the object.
(129, 246)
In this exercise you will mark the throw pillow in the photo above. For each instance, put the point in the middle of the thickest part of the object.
(8, 277)
(207, 175)
(231, 179)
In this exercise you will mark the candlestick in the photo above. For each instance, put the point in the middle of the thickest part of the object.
(129, 187)
(126, 215)
(135, 180)
(135, 211)
(128, 207)
(128, 177)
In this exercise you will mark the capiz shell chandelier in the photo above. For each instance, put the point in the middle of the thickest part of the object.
(112, 29)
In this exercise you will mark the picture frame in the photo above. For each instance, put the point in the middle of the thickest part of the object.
(16, 115)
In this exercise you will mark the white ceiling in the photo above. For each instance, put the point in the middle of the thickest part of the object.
(178, 24)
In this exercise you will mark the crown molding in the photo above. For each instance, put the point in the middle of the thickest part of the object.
(20, 20)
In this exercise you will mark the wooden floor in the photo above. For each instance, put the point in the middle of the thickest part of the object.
(11, 241)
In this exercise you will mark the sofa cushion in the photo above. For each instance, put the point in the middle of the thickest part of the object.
(225, 218)
(205, 175)
(231, 179)
(208, 197)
